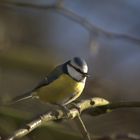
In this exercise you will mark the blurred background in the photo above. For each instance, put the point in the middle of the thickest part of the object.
(33, 40)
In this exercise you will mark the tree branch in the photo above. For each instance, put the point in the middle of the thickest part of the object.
(92, 106)
(112, 106)
(59, 8)
(58, 114)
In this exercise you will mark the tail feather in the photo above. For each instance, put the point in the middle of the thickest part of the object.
(20, 98)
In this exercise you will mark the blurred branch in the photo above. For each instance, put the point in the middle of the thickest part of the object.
(92, 106)
(128, 136)
(26, 60)
(59, 8)
(14, 113)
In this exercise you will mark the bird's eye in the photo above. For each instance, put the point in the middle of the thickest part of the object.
(78, 70)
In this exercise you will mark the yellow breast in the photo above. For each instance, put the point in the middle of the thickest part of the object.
(60, 90)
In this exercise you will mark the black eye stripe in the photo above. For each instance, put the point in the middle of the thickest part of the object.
(77, 69)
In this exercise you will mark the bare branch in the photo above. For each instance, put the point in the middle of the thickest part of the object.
(92, 106)
(112, 106)
(59, 8)
(59, 114)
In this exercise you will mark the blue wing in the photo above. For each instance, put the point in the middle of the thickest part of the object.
(46, 81)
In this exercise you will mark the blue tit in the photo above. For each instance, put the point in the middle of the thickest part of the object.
(62, 86)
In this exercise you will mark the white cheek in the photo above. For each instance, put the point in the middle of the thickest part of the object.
(85, 69)
(84, 80)
(73, 73)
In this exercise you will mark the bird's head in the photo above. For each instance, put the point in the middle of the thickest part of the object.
(77, 68)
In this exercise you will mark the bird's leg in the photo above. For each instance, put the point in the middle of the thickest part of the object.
(64, 109)
(73, 104)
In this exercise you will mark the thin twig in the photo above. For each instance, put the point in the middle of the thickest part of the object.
(59, 8)
(82, 128)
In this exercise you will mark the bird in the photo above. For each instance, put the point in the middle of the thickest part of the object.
(63, 85)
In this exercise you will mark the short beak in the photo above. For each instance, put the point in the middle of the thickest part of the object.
(87, 75)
